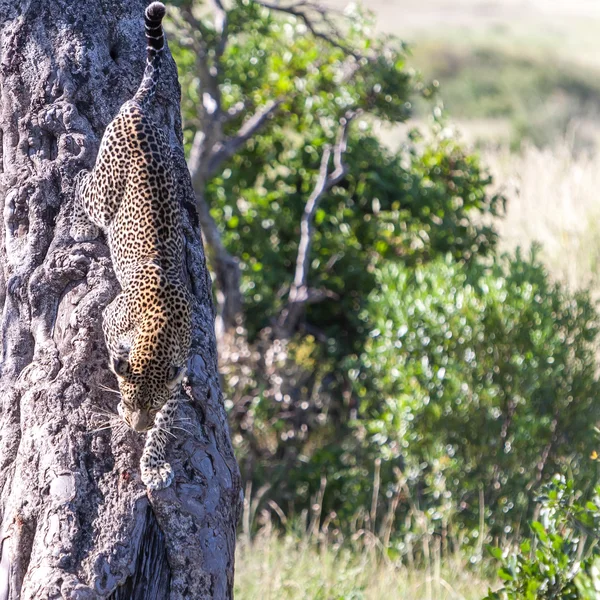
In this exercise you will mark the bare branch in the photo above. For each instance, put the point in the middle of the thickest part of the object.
(225, 267)
(298, 291)
(209, 135)
(300, 295)
(228, 147)
(209, 111)
(301, 11)
(340, 148)
(221, 26)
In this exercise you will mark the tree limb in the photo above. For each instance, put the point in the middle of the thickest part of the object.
(204, 162)
(209, 111)
(230, 146)
(221, 26)
(301, 11)
(300, 294)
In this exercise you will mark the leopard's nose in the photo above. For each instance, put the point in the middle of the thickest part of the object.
(140, 420)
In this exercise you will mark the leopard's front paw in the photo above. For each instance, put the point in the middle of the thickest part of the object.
(157, 477)
(83, 232)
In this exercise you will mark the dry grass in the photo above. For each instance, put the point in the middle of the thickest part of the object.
(286, 568)
(312, 562)
(553, 200)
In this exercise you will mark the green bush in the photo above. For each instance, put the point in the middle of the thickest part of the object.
(412, 207)
(562, 560)
(415, 203)
(477, 382)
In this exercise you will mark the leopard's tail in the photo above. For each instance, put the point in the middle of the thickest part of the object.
(155, 48)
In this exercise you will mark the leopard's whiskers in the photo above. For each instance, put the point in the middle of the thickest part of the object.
(108, 389)
(182, 429)
(105, 426)
(102, 412)
(164, 430)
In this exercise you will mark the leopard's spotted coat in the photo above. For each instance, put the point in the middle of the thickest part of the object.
(131, 195)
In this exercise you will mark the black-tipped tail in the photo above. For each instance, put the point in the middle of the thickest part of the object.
(155, 46)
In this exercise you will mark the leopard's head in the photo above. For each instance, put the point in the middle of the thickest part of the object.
(149, 373)
(144, 393)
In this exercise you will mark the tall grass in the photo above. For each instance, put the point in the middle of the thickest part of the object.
(554, 200)
(271, 567)
(309, 557)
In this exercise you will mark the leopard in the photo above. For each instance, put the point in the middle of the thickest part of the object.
(131, 196)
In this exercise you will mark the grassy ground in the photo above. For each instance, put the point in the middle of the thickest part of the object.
(288, 568)
(530, 69)
(538, 97)
(536, 22)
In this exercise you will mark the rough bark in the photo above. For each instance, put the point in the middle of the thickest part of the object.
(75, 519)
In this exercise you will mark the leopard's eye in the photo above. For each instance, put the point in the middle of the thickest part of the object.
(174, 376)
(121, 366)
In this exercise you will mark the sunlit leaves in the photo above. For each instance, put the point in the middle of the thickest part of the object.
(563, 559)
(470, 364)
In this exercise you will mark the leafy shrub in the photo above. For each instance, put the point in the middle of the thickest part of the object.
(415, 203)
(477, 382)
(562, 560)
(412, 205)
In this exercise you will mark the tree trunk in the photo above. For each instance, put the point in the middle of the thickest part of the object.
(75, 520)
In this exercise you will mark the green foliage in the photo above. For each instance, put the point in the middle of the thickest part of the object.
(413, 204)
(562, 560)
(477, 382)
(408, 208)
(455, 379)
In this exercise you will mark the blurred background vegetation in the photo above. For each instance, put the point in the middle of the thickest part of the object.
(399, 209)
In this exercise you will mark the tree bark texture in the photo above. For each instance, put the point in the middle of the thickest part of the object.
(75, 520)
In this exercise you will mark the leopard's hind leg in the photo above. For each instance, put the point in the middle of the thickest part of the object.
(82, 228)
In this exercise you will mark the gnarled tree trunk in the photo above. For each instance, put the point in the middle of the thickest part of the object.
(75, 519)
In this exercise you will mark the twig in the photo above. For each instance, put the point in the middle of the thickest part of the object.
(299, 294)
(296, 11)
(228, 147)
(221, 26)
